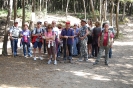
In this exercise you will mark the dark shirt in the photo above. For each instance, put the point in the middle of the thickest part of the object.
(68, 32)
(96, 31)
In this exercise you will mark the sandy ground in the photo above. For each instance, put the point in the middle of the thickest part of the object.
(23, 72)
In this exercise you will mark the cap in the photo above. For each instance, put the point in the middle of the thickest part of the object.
(39, 21)
(26, 23)
(68, 22)
(16, 21)
(84, 20)
(75, 24)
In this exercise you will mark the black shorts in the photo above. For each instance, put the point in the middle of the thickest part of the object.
(89, 39)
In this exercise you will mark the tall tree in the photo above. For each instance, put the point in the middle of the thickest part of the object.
(93, 11)
(67, 7)
(4, 50)
(84, 8)
(111, 14)
(15, 9)
(23, 11)
(117, 18)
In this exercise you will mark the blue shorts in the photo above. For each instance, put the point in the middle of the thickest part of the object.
(37, 44)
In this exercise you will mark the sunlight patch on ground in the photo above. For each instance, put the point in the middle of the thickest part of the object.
(89, 75)
(126, 65)
(123, 43)
(10, 86)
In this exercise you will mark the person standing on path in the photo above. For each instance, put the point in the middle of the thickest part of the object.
(67, 35)
(83, 32)
(105, 41)
(50, 44)
(44, 40)
(37, 39)
(14, 35)
(95, 34)
(89, 43)
(25, 34)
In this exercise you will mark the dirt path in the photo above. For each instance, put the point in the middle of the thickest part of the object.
(25, 73)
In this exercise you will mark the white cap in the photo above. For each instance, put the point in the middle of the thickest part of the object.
(16, 20)
(26, 23)
(39, 21)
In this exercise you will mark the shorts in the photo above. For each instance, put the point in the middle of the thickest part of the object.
(89, 40)
(37, 44)
(52, 50)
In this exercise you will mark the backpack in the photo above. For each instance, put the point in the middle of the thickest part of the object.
(33, 38)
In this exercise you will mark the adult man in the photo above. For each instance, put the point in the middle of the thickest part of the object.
(105, 40)
(67, 35)
(37, 39)
(83, 32)
(14, 35)
(44, 29)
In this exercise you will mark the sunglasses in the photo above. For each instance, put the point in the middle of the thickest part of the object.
(16, 22)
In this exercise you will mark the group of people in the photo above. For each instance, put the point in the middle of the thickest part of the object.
(86, 41)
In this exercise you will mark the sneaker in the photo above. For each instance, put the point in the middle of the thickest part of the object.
(86, 60)
(49, 61)
(34, 58)
(30, 55)
(55, 62)
(106, 63)
(41, 58)
(25, 56)
(95, 63)
(80, 60)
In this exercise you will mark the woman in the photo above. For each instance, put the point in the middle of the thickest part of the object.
(50, 44)
(90, 38)
(60, 44)
(75, 29)
(96, 31)
(25, 34)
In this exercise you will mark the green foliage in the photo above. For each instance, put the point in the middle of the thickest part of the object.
(3, 13)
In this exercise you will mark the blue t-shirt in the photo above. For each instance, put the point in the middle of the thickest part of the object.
(68, 32)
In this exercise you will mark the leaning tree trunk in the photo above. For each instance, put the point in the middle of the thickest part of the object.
(117, 19)
(93, 11)
(23, 18)
(111, 14)
(67, 8)
(4, 50)
(84, 8)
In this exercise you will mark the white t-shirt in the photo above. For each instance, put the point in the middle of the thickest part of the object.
(15, 31)
(56, 31)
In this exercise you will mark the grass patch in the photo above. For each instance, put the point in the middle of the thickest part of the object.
(3, 13)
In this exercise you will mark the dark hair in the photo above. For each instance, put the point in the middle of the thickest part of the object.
(90, 22)
(59, 26)
(97, 24)
(49, 26)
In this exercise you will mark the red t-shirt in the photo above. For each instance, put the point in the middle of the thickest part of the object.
(105, 38)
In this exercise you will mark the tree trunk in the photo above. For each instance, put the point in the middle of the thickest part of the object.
(111, 14)
(74, 7)
(23, 18)
(93, 11)
(67, 8)
(15, 9)
(100, 11)
(124, 8)
(117, 19)
(4, 50)
(40, 5)
(33, 5)
(84, 8)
